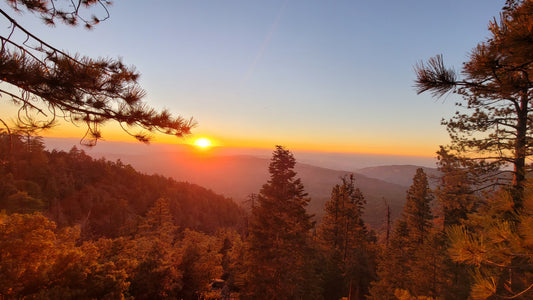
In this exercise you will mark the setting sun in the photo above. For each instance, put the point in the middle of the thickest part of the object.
(203, 143)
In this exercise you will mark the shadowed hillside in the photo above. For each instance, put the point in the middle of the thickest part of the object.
(106, 198)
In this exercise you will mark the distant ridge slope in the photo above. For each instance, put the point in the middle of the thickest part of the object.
(238, 176)
(237, 173)
(399, 174)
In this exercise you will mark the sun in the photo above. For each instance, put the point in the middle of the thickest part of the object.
(203, 143)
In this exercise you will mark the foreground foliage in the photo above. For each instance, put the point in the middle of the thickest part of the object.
(38, 260)
(498, 250)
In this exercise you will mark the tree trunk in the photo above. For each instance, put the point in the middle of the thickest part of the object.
(520, 153)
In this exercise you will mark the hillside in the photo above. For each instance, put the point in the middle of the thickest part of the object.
(105, 198)
(399, 174)
(238, 176)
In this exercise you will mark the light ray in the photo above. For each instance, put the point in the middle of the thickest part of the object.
(266, 41)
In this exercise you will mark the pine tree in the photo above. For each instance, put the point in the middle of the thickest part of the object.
(398, 268)
(417, 211)
(457, 199)
(455, 192)
(498, 250)
(157, 275)
(493, 123)
(347, 243)
(279, 256)
(201, 263)
(393, 265)
(159, 223)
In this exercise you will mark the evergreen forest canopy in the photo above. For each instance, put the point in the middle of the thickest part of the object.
(72, 227)
(104, 197)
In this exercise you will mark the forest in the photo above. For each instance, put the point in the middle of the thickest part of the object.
(75, 227)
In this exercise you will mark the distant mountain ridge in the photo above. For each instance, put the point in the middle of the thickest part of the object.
(324, 159)
(240, 175)
(399, 174)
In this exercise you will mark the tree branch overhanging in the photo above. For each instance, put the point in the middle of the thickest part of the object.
(435, 77)
(81, 89)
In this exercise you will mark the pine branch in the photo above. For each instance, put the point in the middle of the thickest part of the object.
(82, 89)
(434, 76)
(519, 294)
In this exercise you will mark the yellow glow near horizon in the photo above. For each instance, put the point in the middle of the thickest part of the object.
(111, 132)
(203, 142)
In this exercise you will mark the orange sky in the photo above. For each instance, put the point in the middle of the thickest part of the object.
(389, 142)
(112, 132)
(317, 76)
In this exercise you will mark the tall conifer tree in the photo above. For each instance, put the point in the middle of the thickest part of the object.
(279, 252)
(417, 212)
(347, 243)
(157, 275)
(399, 266)
(455, 192)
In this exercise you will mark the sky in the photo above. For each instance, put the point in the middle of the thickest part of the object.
(331, 76)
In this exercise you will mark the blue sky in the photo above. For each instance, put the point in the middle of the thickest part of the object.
(314, 75)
